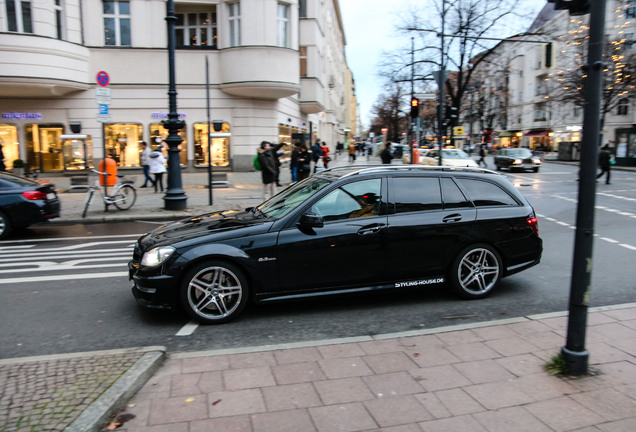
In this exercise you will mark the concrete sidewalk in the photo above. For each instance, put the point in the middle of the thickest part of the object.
(485, 376)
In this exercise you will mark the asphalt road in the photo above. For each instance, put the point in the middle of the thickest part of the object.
(65, 289)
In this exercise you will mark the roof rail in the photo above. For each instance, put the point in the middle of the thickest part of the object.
(361, 169)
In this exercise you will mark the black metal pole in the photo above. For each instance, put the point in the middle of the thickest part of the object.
(442, 82)
(175, 197)
(574, 352)
(207, 104)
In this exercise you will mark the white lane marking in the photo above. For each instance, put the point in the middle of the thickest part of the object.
(62, 254)
(69, 238)
(71, 265)
(4, 281)
(609, 240)
(628, 246)
(187, 329)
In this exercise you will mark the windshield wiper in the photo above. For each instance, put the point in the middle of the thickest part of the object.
(257, 211)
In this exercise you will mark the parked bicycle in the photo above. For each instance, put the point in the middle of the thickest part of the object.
(122, 195)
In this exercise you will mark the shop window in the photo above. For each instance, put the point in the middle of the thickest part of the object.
(234, 23)
(59, 19)
(282, 24)
(10, 144)
(116, 23)
(44, 147)
(123, 143)
(196, 28)
(220, 147)
(19, 18)
(158, 135)
(77, 151)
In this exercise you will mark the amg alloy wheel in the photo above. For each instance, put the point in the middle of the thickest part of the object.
(214, 292)
(5, 226)
(476, 271)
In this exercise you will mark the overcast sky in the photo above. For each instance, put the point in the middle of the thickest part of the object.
(370, 30)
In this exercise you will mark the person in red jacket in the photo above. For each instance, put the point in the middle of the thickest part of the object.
(325, 155)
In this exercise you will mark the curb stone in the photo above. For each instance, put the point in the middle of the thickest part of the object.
(97, 414)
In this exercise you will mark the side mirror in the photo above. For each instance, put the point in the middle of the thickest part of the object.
(311, 220)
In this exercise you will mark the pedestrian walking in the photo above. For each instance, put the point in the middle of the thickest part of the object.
(482, 155)
(604, 158)
(316, 151)
(303, 161)
(352, 152)
(325, 155)
(267, 159)
(293, 163)
(387, 154)
(277, 154)
(3, 167)
(144, 160)
(157, 166)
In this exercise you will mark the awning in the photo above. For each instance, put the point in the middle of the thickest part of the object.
(537, 133)
(507, 134)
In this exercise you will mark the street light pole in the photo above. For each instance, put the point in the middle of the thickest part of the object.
(574, 352)
(442, 82)
(175, 197)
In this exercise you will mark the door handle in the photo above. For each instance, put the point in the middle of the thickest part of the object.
(370, 229)
(452, 218)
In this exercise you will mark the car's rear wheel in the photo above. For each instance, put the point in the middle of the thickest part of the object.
(214, 292)
(5, 226)
(476, 271)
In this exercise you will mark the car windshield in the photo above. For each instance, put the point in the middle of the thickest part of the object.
(290, 198)
(455, 154)
(520, 152)
(18, 181)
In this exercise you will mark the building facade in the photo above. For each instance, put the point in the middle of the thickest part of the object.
(276, 68)
(529, 93)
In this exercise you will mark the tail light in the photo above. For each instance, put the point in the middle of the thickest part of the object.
(534, 224)
(34, 195)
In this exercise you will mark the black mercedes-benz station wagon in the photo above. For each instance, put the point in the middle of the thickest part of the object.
(346, 229)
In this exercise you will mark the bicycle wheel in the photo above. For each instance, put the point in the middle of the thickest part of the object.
(125, 197)
(88, 201)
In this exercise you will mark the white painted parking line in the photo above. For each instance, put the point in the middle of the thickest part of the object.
(187, 329)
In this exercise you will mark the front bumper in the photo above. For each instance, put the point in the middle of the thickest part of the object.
(153, 291)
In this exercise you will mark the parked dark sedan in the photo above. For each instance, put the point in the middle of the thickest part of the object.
(342, 230)
(520, 159)
(24, 202)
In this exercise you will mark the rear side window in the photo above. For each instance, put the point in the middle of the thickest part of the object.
(416, 194)
(453, 197)
(485, 194)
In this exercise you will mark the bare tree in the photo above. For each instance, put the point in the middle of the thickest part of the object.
(388, 112)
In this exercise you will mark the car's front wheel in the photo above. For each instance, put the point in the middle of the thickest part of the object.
(5, 226)
(476, 271)
(214, 292)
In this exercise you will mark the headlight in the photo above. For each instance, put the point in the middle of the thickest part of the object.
(518, 161)
(537, 161)
(156, 256)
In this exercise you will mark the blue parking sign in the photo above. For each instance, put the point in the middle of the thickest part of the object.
(103, 109)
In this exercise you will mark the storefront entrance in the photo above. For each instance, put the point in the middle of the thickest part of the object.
(44, 148)
(10, 144)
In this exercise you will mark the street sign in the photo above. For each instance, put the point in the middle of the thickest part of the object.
(438, 74)
(102, 95)
(458, 130)
(102, 79)
(104, 118)
(103, 109)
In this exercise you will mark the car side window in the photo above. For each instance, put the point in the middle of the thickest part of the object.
(484, 194)
(453, 196)
(353, 200)
(415, 194)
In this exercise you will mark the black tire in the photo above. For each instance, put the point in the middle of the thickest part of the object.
(214, 292)
(535, 170)
(88, 201)
(498, 168)
(5, 226)
(125, 197)
(475, 271)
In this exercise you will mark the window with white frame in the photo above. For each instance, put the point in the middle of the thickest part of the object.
(19, 18)
(116, 23)
(59, 19)
(234, 23)
(623, 107)
(196, 29)
(282, 24)
(540, 112)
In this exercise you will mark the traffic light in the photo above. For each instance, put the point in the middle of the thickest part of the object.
(415, 107)
(452, 115)
(576, 7)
